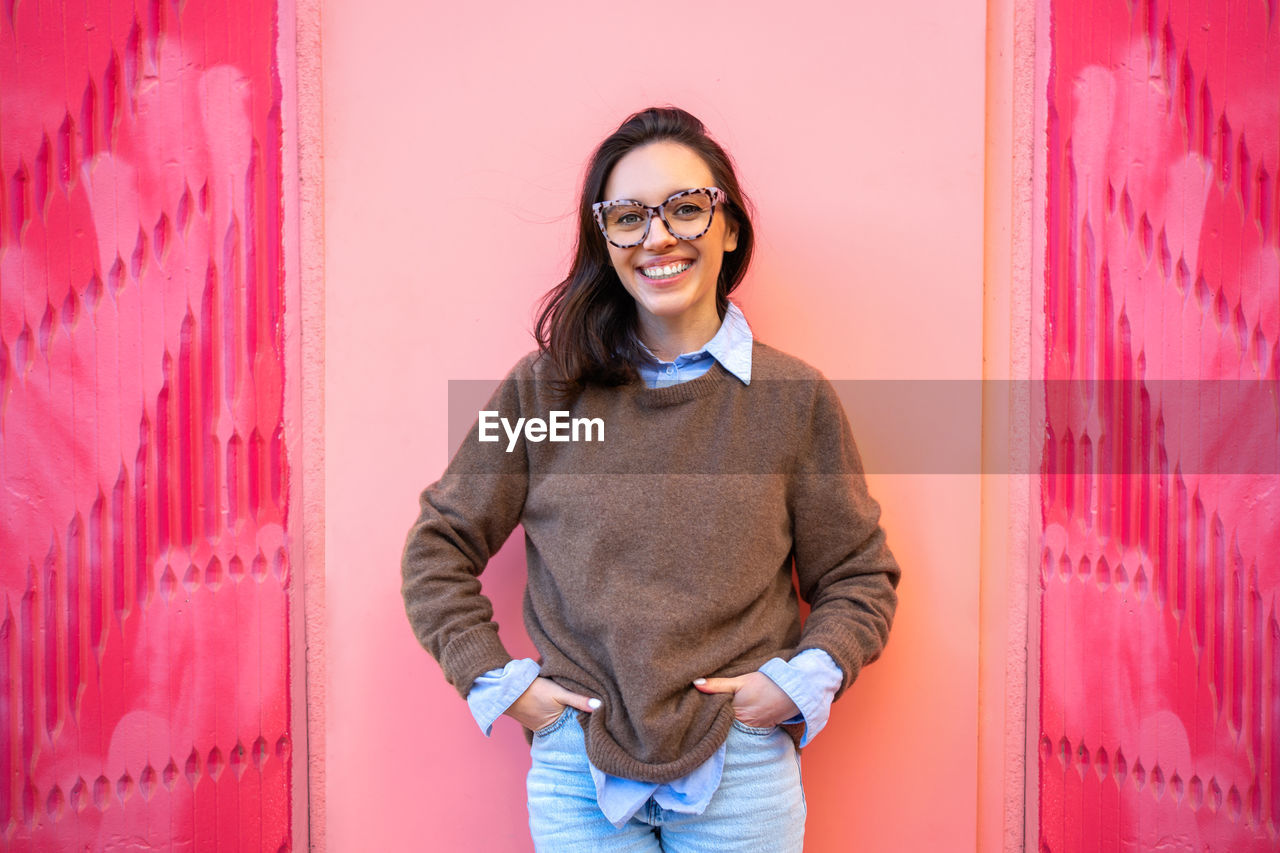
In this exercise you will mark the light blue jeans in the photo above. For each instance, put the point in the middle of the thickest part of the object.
(758, 807)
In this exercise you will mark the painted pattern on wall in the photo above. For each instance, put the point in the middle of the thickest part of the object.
(144, 551)
(1159, 632)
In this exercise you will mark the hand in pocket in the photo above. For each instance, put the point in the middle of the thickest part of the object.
(544, 701)
(757, 700)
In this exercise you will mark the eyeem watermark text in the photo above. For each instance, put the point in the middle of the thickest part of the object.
(558, 427)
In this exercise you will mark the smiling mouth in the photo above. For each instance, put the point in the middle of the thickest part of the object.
(661, 272)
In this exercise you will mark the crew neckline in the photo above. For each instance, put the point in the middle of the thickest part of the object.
(671, 395)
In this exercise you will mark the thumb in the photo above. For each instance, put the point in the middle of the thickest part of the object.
(576, 700)
(718, 685)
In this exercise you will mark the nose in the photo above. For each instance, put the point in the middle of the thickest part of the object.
(658, 237)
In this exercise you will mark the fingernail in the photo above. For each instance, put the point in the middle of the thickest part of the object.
(699, 681)
(593, 703)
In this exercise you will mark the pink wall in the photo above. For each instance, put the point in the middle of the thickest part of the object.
(454, 139)
(144, 542)
(150, 328)
(1159, 641)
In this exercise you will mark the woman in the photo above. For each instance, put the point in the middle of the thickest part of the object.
(675, 682)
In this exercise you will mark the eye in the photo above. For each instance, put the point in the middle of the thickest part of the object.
(630, 217)
(687, 209)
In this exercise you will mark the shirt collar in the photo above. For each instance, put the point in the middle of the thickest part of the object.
(730, 345)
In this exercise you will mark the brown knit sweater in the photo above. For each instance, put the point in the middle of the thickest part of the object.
(660, 554)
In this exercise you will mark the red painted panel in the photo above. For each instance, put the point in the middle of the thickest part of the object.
(1160, 645)
(144, 550)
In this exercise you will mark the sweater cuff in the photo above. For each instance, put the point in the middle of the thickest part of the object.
(471, 654)
(837, 646)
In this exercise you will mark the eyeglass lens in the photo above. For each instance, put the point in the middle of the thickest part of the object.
(686, 216)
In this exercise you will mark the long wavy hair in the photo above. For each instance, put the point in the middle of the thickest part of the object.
(587, 323)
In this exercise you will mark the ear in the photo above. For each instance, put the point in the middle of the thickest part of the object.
(730, 233)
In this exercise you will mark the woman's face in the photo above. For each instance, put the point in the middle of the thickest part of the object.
(672, 281)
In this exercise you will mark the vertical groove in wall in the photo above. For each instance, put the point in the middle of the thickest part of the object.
(303, 112)
(144, 634)
(1160, 690)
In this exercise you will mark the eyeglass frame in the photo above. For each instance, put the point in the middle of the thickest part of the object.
(718, 196)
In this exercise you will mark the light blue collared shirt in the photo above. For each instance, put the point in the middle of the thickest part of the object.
(810, 679)
(731, 346)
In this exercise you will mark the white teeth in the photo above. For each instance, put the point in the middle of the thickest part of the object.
(667, 270)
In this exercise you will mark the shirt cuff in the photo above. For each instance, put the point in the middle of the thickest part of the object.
(810, 679)
(492, 693)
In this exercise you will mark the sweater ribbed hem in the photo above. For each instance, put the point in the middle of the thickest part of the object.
(471, 654)
(607, 755)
